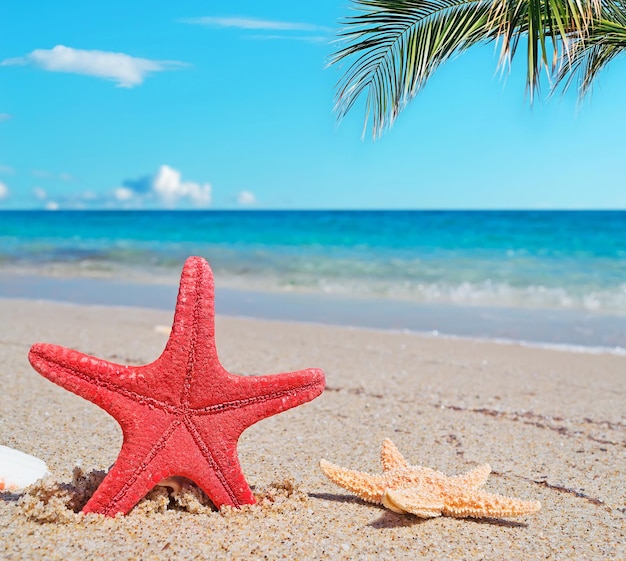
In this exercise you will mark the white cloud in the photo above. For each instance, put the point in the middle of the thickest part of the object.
(4, 117)
(165, 188)
(246, 198)
(89, 196)
(254, 23)
(4, 191)
(40, 193)
(123, 194)
(77, 200)
(124, 69)
(6, 169)
(305, 38)
(169, 187)
(43, 174)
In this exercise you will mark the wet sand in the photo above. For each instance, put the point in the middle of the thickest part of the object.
(551, 424)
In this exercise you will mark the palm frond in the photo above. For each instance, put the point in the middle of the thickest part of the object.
(591, 54)
(398, 45)
(394, 46)
(549, 27)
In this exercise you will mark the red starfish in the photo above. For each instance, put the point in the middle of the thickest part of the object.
(181, 415)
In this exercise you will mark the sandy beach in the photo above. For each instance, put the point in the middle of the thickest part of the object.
(551, 424)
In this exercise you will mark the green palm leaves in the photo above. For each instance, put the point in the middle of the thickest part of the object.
(397, 46)
(605, 40)
(392, 47)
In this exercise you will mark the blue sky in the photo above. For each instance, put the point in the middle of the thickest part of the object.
(228, 104)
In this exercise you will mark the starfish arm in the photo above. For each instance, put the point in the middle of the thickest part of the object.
(479, 504)
(226, 485)
(475, 478)
(140, 465)
(246, 400)
(415, 500)
(368, 487)
(390, 456)
(194, 317)
(191, 354)
(214, 465)
(191, 344)
(180, 451)
(79, 373)
(104, 383)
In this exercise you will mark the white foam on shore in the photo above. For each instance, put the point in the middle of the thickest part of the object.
(566, 331)
(562, 347)
(559, 347)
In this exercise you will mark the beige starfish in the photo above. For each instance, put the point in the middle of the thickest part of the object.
(425, 492)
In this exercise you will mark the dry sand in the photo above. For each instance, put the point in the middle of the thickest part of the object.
(551, 424)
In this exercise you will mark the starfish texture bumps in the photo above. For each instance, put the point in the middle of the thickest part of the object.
(181, 415)
(425, 492)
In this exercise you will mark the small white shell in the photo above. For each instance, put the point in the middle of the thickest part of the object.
(19, 470)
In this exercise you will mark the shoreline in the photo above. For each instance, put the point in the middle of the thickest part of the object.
(567, 330)
(551, 425)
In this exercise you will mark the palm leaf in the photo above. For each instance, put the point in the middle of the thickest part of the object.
(605, 41)
(394, 46)
(398, 45)
(549, 27)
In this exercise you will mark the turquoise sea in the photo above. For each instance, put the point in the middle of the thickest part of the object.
(517, 264)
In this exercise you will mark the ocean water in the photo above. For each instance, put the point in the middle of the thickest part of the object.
(573, 262)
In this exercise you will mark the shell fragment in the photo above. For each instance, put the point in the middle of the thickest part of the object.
(19, 470)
